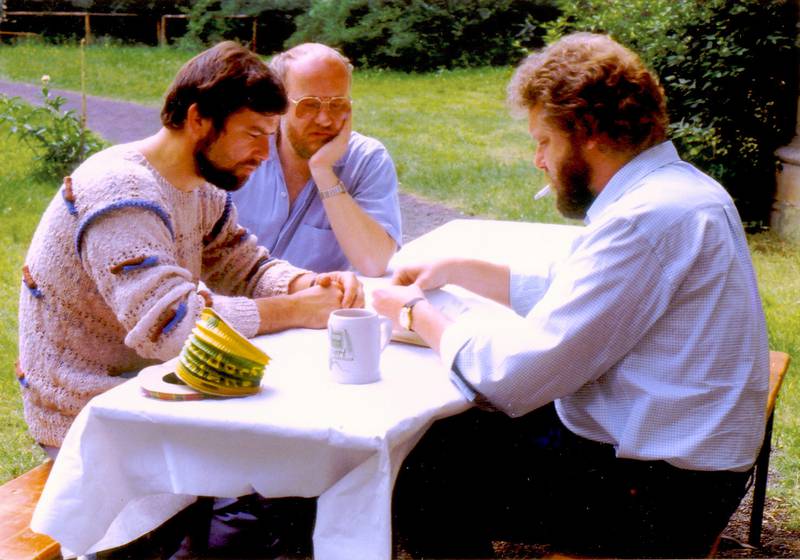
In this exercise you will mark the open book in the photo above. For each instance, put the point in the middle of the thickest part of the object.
(451, 301)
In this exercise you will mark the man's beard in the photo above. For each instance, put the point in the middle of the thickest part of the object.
(573, 195)
(224, 179)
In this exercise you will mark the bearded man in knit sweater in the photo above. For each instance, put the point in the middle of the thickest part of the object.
(110, 282)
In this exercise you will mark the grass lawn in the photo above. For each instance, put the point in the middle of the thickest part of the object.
(452, 140)
(22, 200)
(124, 72)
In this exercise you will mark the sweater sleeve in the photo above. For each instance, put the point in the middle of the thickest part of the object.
(234, 263)
(131, 256)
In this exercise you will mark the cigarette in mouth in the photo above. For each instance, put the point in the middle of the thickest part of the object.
(542, 193)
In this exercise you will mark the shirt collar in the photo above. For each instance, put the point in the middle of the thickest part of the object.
(630, 175)
(273, 147)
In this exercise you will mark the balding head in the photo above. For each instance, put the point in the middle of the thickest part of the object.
(281, 64)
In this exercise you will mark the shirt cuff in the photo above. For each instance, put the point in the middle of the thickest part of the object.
(395, 233)
(454, 338)
(239, 312)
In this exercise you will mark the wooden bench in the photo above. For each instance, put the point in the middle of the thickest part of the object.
(18, 499)
(778, 365)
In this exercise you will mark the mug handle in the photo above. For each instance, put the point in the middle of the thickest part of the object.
(386, 331)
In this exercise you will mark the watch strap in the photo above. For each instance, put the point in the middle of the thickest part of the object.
(409, 305)
(336, 189)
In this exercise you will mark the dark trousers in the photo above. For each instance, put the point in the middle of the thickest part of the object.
(483, 476)
(251, 527)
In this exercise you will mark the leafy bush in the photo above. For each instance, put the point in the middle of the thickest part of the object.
(57, 137)
(729, 71)
(207, 22)
(426, 34)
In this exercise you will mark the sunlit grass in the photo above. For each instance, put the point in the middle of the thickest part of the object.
(133, 73)
(453, 140)
(778, 267)
(22, 200)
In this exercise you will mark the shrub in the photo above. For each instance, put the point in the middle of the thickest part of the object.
(425, 34)
(207, 24)
(728, 68)
(57, 137)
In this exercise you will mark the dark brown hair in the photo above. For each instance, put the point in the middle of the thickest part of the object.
(221, 80)
(588, 84)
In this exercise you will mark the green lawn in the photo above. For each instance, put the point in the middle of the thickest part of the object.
(452, 140)
(125, 72)
(22, 200)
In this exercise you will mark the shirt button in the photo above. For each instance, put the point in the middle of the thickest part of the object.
(283, 194)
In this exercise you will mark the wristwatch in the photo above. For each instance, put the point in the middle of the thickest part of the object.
(405, 319)
(338, 188)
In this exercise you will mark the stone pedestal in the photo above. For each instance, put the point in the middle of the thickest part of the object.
(785, 218)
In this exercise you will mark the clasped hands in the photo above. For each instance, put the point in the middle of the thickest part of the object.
(345, 283)
(316, 295)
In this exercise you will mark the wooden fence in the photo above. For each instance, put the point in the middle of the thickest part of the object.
(161, 22)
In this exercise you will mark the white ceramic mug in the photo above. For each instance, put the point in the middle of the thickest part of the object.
(357, 337)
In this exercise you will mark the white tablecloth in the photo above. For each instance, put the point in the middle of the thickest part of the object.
(130, 462)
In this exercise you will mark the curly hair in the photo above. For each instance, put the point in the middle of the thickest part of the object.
(222, 80)
(588, 85)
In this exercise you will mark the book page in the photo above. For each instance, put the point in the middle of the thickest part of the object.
(450, 300)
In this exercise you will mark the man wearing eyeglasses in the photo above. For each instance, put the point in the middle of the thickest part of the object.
(326, 199)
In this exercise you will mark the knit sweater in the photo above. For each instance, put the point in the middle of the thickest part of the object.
(110, 283)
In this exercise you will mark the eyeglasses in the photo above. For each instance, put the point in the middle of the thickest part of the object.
(311, 106)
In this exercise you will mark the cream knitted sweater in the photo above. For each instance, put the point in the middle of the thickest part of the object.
(111, 282)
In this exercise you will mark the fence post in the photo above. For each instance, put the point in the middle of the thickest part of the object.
(84, 116)
(163, 39)
(253, 41)
(87, 28)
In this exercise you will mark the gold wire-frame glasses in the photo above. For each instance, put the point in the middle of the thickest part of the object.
(312, 105)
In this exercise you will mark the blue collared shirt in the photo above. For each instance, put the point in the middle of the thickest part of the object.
(649, 336)
(301, 233)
